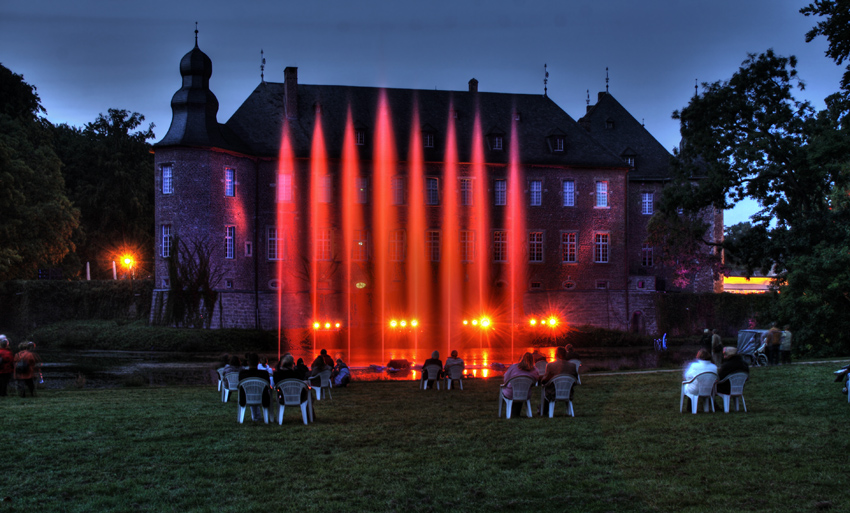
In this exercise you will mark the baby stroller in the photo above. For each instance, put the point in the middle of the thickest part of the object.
(752, 347)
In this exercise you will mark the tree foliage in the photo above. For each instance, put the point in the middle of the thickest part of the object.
(38, 220)
(108, 170)
(836, 28)
(193, 277)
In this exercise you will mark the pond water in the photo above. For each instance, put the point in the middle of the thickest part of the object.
(109, 369)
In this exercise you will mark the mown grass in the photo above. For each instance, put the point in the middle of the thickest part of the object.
(386, 446)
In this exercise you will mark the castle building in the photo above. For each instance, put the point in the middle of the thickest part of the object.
(360, 204)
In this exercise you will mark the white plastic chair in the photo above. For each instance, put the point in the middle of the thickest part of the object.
(324, 384)
(454, 373)
(736, 390)
(290, 395)
(521, 391)
(563, 386)
(430, 373)
(220, 378)
(540, 365)
(254, 388)
(705, 383)
(231, 384)
(577, 363)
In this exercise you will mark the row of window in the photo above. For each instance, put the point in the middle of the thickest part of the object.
(432, 190)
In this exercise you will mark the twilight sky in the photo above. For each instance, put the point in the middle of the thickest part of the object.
(87, 56)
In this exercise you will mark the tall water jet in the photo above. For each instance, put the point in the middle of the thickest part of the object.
(384, 162)
(354, 233)
(480, 218)
(285, 226)
(320, 200)
(418, 270)
(450, 282)
(516, 232)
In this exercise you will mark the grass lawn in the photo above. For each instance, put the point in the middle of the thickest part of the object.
(386, 446)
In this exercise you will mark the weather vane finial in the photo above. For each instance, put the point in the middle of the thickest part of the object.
(262, 66)
(545, 80)
(588, 97)
(696, 88)
(196, 33)
(606, 79)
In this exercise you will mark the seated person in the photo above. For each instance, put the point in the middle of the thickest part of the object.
(321, 363)
(254, 372)
(288, 371)
(434, 360)
(732, 363)
(453, 361)
(560, 366)
(525, 367)
(299, 365)
(571, 353)
(700, 365)
(234, 365)
(341, 374)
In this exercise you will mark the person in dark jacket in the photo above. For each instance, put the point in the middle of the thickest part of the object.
(6, 367)
(434, 360)
(732, 363)
(253, 372)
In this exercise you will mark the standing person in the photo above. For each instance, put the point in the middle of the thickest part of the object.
(321, 361)
(705, 340)
(26, 365)
(6, 365)
(785, 345)
(774, 338)
(716, 348)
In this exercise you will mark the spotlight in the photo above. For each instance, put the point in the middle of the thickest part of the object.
(337, 325)
(414, 323)
(553, 321)
(403, 323)
(465, 322)
(316, 325)
(475, 322)
(485, 322)
(327, 325)
(533, 322)
(393, 323)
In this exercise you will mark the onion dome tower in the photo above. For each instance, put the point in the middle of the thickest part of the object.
(194, 106)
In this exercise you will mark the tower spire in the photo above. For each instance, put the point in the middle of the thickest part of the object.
(588, 98)
(696, 88)
(606, 79)
(545, 80)
(196, 34)
(262, 66)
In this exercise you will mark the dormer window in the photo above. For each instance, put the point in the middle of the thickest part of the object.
(497, 142)
(428, 140)
(558, 144)
(609, 124)
(517, 116)
(630, 160)
(359, 137)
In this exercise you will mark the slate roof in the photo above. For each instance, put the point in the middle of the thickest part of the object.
(259, 121)
(627, 137)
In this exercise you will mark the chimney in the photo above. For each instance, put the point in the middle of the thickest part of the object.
(290, 91)
(473, 86)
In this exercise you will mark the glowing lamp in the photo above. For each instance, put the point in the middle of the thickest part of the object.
(316, 325)
(553, 321)
(360, 285)
(393, 323)
(485, 322)
(465, 322)
(475, 322)
(127, 260)
(414, 323)
(403, 323)
(337, 325)
(327, 325)
(533, 322)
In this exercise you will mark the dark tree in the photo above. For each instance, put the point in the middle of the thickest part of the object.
(836, 29)
(36, 218)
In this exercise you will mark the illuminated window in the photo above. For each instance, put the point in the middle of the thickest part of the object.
(284, 187)
(167, 177)
(398, 190)
(166, 240)
(467, 245)
(432, 245)
(535, 246)
(500, 193)
(274, 243)
(397, 246)
(601, 194)
(630, 160)
(229, 236)
(362, 190)
(432, 191)
(428, 140)
(500, 246)
(600, 248)
(325, 189)
(360, 251)
(466, 191)
(536, 193)
(568, 247)
(569, 190)
(646, 203)
(229, 182)
(646, 255)
(558, 144)
(323, 244)
(497, 142)
(359, 137)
